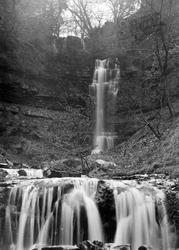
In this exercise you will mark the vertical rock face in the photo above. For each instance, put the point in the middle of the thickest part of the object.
(172, 205)
(106, 204)
(40, 83)
(69, 210)
(4, 194)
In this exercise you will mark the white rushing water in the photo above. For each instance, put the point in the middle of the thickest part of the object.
(28, 173)
(136, 221)
(105, 86)
(46, 214)
(63, 212)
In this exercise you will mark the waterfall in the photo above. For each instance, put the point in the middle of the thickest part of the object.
(65, 211)
(104, 87)
(136, 221)
(141, 218)
(52, 213)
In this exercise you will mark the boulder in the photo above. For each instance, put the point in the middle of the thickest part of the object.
(22, 172)
(62, 168)
(101, 169)
(52, 173)
(105, 164)
(49, 170)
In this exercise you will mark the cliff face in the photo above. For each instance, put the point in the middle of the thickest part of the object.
(47, 78)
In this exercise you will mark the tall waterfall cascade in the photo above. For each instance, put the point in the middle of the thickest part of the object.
(104, 88)
(65, 212)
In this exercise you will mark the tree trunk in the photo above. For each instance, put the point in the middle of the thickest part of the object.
(167, 99)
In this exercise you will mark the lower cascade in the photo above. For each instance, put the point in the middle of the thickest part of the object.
(67, 211)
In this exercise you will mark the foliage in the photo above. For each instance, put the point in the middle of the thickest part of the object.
(74, 133)
(29, 19)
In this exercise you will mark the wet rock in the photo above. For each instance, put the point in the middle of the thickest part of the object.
(105, 202)
(99, 244)
(22, 172)
(144, 248)
(88, 245)
(3, 174)
(49, 170)
(172, 205)
(82, 246)
(67, 188)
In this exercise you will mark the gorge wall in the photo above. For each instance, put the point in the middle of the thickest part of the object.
(34, 86)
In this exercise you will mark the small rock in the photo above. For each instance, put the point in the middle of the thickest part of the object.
(17, 165)
(10, 164)
(24, 165)
(87, 245)
(45, 165)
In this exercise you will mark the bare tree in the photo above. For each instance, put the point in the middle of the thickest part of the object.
(155, 26)
(162, 36)
(122, 8)
(80, 11)
(84, 16)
